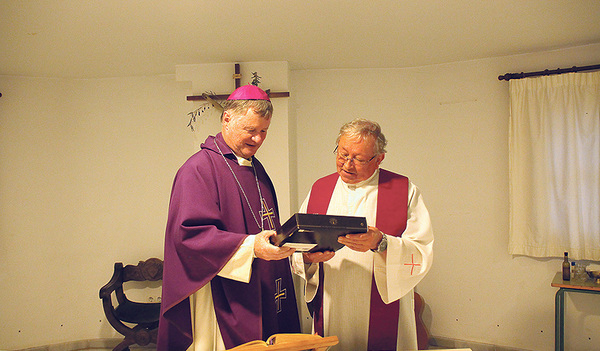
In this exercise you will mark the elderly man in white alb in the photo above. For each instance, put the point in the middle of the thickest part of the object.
(363, 293)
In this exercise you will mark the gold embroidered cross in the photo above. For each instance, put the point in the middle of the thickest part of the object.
(279, 294)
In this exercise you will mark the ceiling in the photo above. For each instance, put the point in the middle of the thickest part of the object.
(115, 38)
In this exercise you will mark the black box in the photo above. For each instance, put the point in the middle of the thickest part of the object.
(315, 232)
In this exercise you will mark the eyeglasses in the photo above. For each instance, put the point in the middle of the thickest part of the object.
(345, 158)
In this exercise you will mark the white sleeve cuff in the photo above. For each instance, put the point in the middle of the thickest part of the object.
(239, 266)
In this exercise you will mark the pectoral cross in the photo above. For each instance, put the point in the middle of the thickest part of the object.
(267, 213)
(279, 294)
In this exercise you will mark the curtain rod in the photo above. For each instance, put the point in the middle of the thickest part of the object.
(509, 76)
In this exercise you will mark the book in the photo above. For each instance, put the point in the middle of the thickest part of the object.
(316, 232)
(290, 342)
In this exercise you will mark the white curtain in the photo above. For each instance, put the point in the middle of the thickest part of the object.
(554, 160)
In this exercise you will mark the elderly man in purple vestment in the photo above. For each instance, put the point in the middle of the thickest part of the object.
(363, 293)
(224, 283)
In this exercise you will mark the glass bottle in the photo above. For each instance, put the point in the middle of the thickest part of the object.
(566, 268)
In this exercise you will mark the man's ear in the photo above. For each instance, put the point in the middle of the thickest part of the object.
(226, 118)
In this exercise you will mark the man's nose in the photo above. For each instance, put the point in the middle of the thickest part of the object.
(257, 138)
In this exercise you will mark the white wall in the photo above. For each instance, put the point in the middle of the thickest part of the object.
(86, 168)
(447, 127)
(85, 178)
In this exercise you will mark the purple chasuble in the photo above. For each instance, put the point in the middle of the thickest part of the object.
(208, 220)
(392, 212)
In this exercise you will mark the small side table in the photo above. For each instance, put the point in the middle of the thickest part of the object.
(580, 286)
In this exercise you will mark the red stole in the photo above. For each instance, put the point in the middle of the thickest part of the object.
(392, 209)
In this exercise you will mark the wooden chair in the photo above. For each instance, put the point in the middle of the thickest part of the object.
(142, 317)
(422, 332)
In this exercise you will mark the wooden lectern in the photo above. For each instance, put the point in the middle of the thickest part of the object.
(289, 342)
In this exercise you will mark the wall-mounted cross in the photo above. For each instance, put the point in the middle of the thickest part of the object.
(237, 76)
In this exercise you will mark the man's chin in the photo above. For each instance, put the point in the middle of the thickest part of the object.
(348, 179)
(250, 150)
(248, 153)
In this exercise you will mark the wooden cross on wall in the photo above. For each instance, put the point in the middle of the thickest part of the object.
(237, 76)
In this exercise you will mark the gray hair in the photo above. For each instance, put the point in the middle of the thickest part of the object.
(263, 108)
(363, 128)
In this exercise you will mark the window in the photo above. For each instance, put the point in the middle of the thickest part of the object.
(554, 161)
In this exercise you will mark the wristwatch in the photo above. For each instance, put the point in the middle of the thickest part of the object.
(382, 244)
